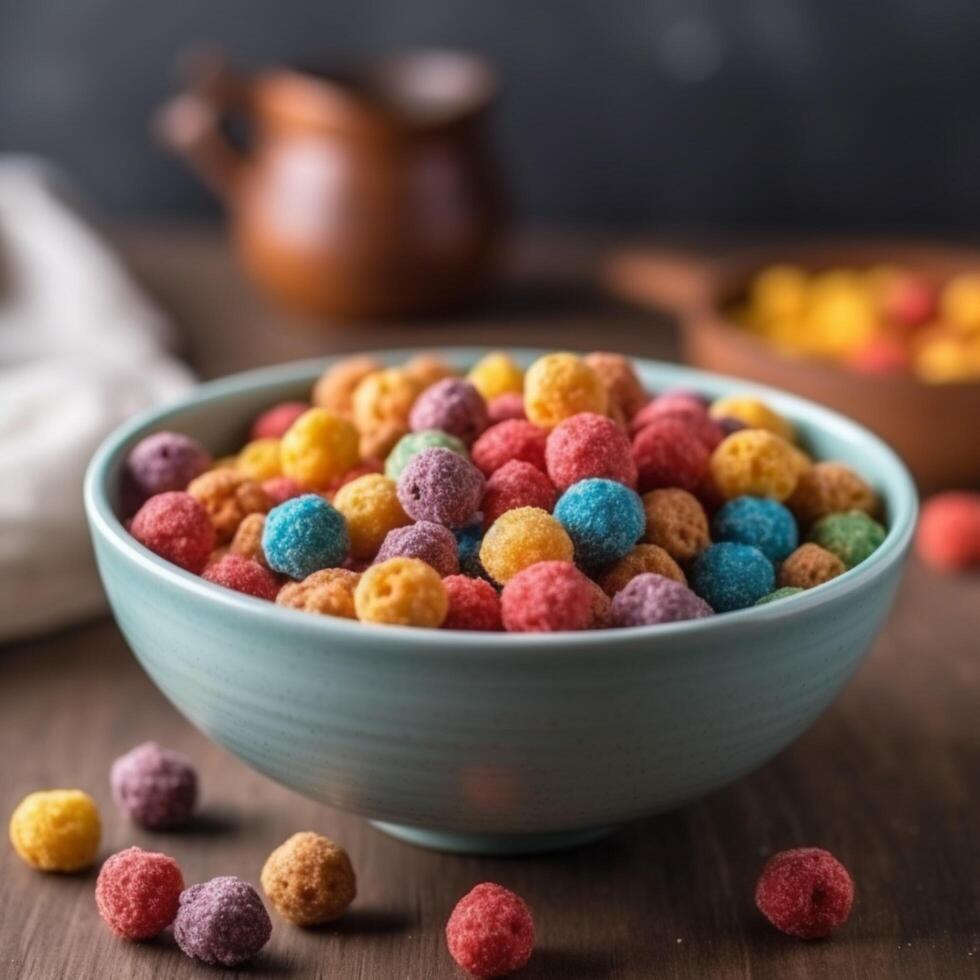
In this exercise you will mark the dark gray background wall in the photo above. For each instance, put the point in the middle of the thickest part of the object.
(812, 113)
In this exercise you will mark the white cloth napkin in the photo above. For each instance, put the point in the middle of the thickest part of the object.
(81, 349)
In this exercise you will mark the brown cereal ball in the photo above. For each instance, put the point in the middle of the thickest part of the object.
(248, 539)
(809, 566)
(335, 389)
(329, 592)
(626, 394)
(228, 497)
(830, 488)
(309, 879)
(427, 369)
(643, 558)
(677, 522)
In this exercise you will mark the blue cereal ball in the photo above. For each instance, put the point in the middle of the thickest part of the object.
(468, 541)
(304, 535)
(603, 518)
(763, 523)
(731, 576)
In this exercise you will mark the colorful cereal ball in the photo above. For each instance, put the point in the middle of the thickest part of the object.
(274, 422)
(643, 559)
(175, 526)
(154, 786)
(731, 576)
(401, 592)
(159, 463)
(260, 460)
(754, 413)
(948, 537)
(490, 932)
(384, 398)
(830, 488)
(589, 445)
(547, 597)
(473, 604)
(371, 509)
(412, 443)
(451, 405)
(309, 880)
(279, 489)
(222, 922)
(669, 454)
(248, 539)
(329, 592)
(557, 386)
(432, 543)
(626, 394)
(650, 599)
(676, 521)
(496, 374)
(439, 485)
(427, 369)
(244, 575)
(506, 441)
(228, 497)
(503, 407)
(304, 535)
(809, 566)
(755, 463)
(56, 830)
(334, 390)
(603, 518)
(758, 521)
(960, 303)
(468, 542)
(318, 447)
(520, 538)
(138, 893)
(853, 536)
(516, 484)
(782, 593)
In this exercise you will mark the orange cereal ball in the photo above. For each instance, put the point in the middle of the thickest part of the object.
(248, 539)
(959, 303)
(56, 830)
(371, 508)
(809, 566)
(520, 538)
(830, 488)
(229, 497)
(677, 522)
(259, 460)
(496, 374)
(309, 880)
(401, 592)
(384, 398)
(755, 413)
(755, 463)
(335, 388)
(329, 592)
(626, 394)
(557, 386)
(378, 442)
(427, 369)
(318, 447)
(643, 558)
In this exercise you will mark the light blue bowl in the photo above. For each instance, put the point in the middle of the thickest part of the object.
(485, 742)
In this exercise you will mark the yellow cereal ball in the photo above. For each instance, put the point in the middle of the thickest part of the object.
(496, 374)
(943, 357)
(959, 303)
(778, 292)
(229, 497)
(56, 829)
(259, 459)
(401, 592)
(384, 398)
(830, 488)
(520, 538)
(318, 447)
(557, 386)
(335, 388)
(371, 508)
(427, 369)
(757, 463)
(756, 414)
(643, 558)
(329, 592)
(309, 880)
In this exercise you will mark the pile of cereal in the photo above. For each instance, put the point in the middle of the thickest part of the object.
(565, 497)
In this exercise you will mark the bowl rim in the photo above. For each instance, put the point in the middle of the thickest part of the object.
(890, 470)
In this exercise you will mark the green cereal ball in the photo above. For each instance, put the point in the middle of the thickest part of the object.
(413, 443)
(784, 593)
(852, 536)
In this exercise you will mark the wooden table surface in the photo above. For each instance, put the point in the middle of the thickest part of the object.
(888, 779)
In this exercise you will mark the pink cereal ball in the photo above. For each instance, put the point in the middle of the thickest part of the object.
(669, 454)
(451, 405)
(138, 892)
(243, 574)
(548, 597)
(473, 604)
(274, 422)
(176, 527)
(517, 484)
(588, 445)
(279, 489)
(490, 932)
(507, 406)
(506, 441)
(948, 537)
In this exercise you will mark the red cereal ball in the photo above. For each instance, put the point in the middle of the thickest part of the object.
(505, 441)
(281, 488)
(668, 453)
(138, 892)
(548, 597)
(948, 537)
(274, 422)
(177, 527)
(703, 426)
(473, 604)
(516, 484)
(510, 405)
(490, 932)
(243, 574)
(676, 403)
(880, 355)
(588, 445)
(805, 892)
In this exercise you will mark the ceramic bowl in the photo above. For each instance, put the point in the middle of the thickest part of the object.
(483, 742)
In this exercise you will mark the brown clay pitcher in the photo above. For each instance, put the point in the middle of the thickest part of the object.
(364, 193)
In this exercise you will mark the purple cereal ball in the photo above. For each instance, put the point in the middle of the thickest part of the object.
(159, 463)
(221, 922)
(155, 787)
(431, 543)
(728, 424)
(438, 485)
(452, 405)
(649, 599)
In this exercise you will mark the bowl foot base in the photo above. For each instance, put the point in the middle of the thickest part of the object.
(439, 840)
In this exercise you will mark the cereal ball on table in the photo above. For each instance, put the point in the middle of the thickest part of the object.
(649, 599)
(473, 604)
(56, 830)
(756, 463)
(304, 535)
(138, 893)
(557, 386)
(432, 543)
(274, 422)
(229, 497)
(329, 592)
(830, 488)
(412, 443)
(440, 486)
(546, 597)
(603, 518)
(401, 592)
(755, 413)
(309, 879)
(782, 593)
(154, 786)
(451, 405)
(318, 447)
(159, 463)
(177, 527)
(620, 381)
(643, 559)
(853, 536)
(334, 390)
(676, 521)
(516, 484)
(766, 524)
(669, 454)
(504, 407)
(948, 537)
(731, 576)
(586, 446)
(248, 539)
(244, 575)
(260, 460)
(496, 374)
(490, 932)
(520, 538)
(510, 440)
(809, 566)
(222, 922)
(371, 508)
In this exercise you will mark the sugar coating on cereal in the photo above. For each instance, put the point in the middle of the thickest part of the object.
(155, 787)
(138, 892)
(56, 830)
